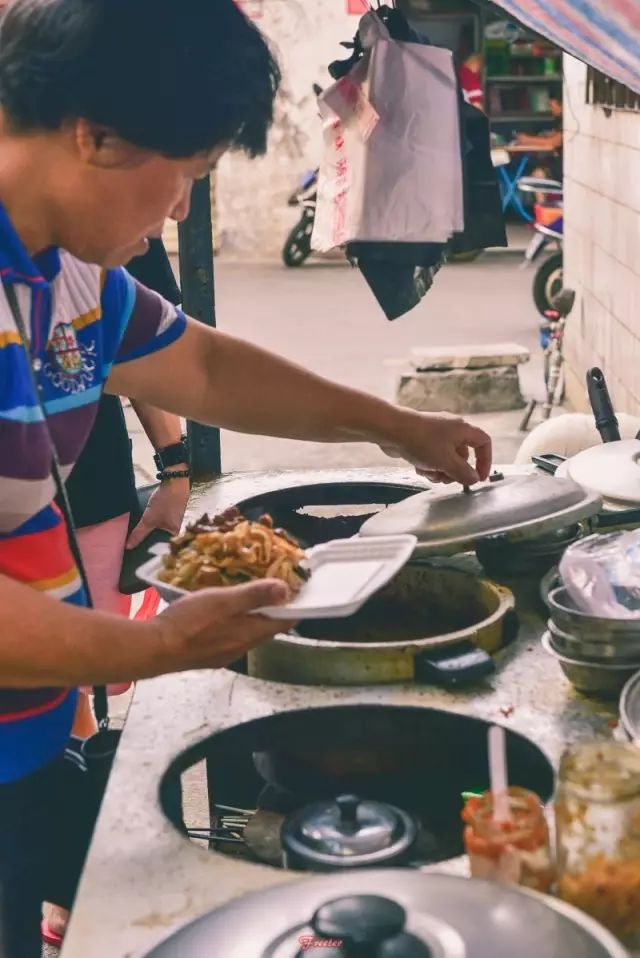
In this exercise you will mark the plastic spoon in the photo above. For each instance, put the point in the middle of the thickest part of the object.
(498, 774)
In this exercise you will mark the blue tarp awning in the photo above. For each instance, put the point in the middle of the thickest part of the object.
(603, 33)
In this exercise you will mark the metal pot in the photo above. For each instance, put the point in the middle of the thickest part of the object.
(393, 912)
(431, 623)
(348, 832)
(593, 678)
(529, 557)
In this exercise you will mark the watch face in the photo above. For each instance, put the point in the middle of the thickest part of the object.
(171, 456)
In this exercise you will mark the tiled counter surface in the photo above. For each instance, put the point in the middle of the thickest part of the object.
(142, 878)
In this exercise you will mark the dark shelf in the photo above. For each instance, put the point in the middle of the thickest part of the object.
(553, 78)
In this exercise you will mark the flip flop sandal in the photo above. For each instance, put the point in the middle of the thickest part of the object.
(48, 936)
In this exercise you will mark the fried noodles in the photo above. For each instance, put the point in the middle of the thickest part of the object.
(229, 550)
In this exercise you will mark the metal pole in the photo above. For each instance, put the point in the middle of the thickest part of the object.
(195, 248)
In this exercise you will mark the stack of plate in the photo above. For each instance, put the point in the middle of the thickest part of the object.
(597, 655)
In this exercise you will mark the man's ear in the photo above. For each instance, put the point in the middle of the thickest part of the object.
(100, 147)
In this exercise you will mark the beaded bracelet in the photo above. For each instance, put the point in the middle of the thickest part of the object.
(180, 474)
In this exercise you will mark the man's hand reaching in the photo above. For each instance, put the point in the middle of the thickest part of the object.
(439, 446)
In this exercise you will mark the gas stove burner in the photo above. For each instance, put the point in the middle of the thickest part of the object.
(418, 760)
(256, 835)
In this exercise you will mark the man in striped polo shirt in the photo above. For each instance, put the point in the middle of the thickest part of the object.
(109, 109)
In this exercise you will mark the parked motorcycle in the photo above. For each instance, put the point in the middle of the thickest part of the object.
(297, 247)
(548, 222)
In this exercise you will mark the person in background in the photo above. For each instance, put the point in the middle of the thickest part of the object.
(104, 504)
(551, 139)
(469, 65)
(470, 76)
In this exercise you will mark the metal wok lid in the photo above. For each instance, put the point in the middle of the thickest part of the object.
(348, 832)
(396, 912)
(519, 507)
(610, 470)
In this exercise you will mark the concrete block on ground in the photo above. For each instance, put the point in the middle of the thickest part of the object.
(461, 391)
(480, 356)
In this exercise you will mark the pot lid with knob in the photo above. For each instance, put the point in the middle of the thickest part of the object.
(515, 506)
(347, 832)
(392, 913)
(610, 470)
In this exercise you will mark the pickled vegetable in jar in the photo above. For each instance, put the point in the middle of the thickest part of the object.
(598, 834)
(515, 852)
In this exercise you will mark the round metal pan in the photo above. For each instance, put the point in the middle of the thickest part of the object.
(323, 511)
(432, 623)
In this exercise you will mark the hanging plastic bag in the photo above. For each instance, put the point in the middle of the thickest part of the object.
(391, 168)
(602, 574)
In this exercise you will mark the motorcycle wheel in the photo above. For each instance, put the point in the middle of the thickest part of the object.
(547, 283)
(297, 247)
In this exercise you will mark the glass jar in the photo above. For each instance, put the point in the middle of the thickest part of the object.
(598, 833)
(515, 852)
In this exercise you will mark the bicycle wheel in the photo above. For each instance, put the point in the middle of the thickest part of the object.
(547, 283)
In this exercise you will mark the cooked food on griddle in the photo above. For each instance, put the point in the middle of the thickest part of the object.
(229, 550)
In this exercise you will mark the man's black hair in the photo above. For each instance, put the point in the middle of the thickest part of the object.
(178, 77)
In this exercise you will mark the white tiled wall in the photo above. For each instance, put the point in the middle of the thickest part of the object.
(602, 243)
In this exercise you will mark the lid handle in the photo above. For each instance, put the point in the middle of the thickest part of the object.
(348, 806)
(367, 926)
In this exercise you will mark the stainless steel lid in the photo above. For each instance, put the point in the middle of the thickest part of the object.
(412, 914)
(514, 506)
(348, 831)
(610, 470)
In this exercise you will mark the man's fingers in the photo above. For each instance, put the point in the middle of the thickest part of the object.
(138, 535)
(481, 444)
(462, 472)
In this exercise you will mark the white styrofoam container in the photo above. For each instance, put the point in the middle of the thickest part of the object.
(344, 574)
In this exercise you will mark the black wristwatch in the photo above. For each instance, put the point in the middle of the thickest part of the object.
(173, 455)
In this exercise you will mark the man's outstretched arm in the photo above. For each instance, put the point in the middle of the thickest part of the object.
(211, 377)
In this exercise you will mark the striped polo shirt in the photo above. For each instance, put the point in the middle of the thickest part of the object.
(81, 320)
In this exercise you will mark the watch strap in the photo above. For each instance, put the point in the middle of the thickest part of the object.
(173, 455)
